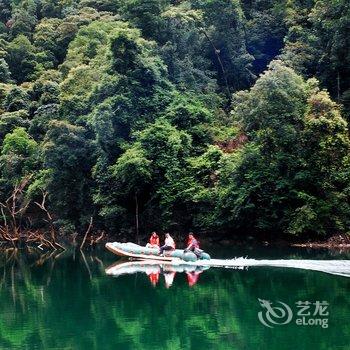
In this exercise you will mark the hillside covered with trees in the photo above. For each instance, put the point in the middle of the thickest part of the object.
(211, 115)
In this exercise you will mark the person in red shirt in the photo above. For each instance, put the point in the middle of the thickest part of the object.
(153, 241)
(192, 243)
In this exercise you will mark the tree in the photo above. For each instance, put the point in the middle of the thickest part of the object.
(21, 58)
(265, 30)
(153, 109)
(11, 120)
(322, 183)
(19, 156)
(5, 74)
(145, 14)
(278, 181)
(224, 30)
(133, 89)
(167, 148)
(132, 176)
(85, 67)
(181, 45)
(16, 99)
(46, 40)
(24, 18)
(41, 120)
(200, 190)
(67, 153)
(51, 8)
(317, 44)
(300, 50)
(151, 170)
(190, 114)
(331, 20)
(5, 10)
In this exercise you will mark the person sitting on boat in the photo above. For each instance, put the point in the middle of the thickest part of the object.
(153, 241)
(192, 243)
(169, 244)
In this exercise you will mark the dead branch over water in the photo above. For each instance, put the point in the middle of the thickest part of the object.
(14, 213)
(12, 231)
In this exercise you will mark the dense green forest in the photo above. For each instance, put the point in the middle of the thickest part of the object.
(212, 115)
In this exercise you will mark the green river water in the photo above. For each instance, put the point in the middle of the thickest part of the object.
(68, 302)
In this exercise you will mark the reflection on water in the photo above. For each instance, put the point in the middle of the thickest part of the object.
(67, 301)
(155, 269)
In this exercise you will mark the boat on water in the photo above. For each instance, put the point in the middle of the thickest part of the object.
(136, 251)
(177, 257)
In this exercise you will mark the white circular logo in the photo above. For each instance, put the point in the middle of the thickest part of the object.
(274, 315)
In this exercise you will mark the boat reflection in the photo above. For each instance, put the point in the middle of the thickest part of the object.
(154, 269)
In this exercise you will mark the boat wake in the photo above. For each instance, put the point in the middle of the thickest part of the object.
(334, 267)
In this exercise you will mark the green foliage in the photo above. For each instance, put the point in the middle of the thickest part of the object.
(188, 113)
(16, 99)
(41, 120)
(293, 174)
(318, 43)
(47, 41)
(67, 153)
(151, 170)
(21, 58)
(133, 90)
(9, 121)
(129, 178)
(331, 20)
(118, 108)
(50, 8)
(265, 30)
(24, 18)
(146, 15)
(132, 171)
(5, 74)
(274, 104)
(182, 44)
(19, 156)
(225, 20)
(5, 10)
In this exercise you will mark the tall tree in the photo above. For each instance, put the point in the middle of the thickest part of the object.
(21, 58)
(224, 23)
(294, 133)
(67, 153)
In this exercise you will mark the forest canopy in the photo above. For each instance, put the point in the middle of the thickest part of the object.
(211, 115)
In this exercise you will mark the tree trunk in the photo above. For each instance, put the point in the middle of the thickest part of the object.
(217, 53)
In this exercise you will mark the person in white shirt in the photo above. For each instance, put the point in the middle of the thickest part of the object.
(169, 244)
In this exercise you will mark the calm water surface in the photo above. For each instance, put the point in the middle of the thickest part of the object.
(68, 302)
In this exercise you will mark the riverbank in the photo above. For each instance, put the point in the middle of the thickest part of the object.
(340, 241)
(91, 239)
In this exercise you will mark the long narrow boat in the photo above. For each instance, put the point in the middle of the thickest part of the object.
(135, 251)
